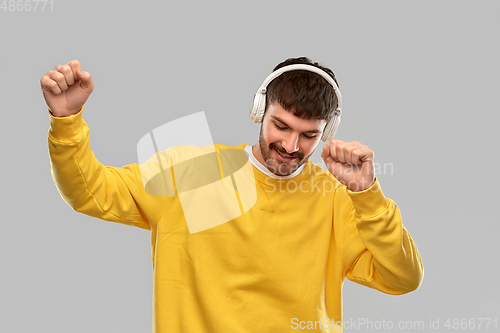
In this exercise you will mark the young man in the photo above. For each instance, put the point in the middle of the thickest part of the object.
(278, 261)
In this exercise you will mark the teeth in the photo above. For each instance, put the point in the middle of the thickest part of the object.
(286, 156)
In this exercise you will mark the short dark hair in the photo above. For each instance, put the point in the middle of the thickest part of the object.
(306, 94)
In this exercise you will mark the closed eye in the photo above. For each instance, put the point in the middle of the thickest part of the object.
(285, 128)
(280, 128)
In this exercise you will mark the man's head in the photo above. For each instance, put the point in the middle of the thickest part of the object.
(298, 106)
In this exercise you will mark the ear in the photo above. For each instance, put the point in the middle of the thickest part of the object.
(259, 106)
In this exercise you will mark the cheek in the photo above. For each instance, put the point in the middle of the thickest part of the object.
(270, 134)
(308, 146)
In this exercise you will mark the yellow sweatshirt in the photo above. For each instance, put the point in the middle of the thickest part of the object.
(273, 261)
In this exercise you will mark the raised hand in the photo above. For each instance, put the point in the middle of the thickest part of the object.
(66, 88)
(351, 163)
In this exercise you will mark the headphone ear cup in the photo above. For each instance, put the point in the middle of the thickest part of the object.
(258, 107)
(331, 128)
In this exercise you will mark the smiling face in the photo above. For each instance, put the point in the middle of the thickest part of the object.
(286, 141)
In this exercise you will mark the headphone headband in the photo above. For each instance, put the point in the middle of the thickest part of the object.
(259, 105)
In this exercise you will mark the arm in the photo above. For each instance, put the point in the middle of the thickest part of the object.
(376, 249)
(113, 194)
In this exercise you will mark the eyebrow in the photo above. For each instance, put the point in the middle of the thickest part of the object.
(281, 121)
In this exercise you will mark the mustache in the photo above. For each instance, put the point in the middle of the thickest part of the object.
(281, 150)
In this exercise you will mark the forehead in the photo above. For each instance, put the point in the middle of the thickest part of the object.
(276, 112)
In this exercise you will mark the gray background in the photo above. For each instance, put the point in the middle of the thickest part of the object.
(420, 87)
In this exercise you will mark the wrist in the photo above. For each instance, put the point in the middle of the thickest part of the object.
(66, 129)
(65, 113)
(369, 202)
(360, 186)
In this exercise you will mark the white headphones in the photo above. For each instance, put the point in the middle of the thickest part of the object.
(259, 102)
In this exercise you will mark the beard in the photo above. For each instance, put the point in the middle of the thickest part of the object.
(276, 166)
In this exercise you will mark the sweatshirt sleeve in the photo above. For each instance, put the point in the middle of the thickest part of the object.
(377, 250)
(104, 192)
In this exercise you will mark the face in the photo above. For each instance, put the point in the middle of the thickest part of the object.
(286, 141)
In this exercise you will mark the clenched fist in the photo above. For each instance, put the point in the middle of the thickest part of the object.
(66, 88)
(351, 163)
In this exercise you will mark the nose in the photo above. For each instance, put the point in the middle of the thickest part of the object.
(291, 143)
